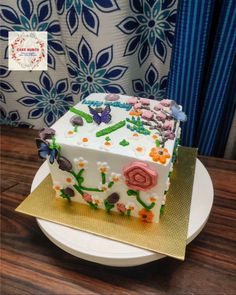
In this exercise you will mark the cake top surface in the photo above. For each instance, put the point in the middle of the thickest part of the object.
(120, 124)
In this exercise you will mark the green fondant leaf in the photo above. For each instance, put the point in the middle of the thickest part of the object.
(124, 142)
(92, 205)
(108, 206)
(131, 192)
(110, 184)
(162, 209)
(88, 118)
(158, 143)
(65, 196)
(111, 129)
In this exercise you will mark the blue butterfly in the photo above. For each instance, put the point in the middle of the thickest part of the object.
(44, 150)
(105, 116)
(176, 112)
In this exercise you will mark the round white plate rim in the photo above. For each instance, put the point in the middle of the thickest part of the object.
(89, 246)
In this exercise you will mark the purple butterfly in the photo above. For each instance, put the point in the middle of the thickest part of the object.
(44, 150)
(104, 117)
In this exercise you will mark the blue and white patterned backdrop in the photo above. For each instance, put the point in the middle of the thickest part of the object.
(93, 46)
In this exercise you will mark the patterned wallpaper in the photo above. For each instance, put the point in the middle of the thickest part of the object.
(93, 46)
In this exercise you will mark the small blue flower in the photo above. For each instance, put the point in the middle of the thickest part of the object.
(48, 100)
(85, 9)
(152, 26)
(93, 75)
(151, 87)
(33, 18)
(12, 119)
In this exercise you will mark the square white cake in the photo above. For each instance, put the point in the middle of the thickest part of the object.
(114, 152)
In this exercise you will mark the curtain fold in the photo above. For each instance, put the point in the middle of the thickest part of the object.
(217, 98)
(201, 85)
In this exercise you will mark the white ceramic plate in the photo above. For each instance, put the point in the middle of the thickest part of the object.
(108, 252)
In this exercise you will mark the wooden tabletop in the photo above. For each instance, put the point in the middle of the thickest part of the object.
(31, 264)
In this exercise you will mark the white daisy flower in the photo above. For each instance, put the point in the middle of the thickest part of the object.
(84, 141)
(130, 206)
(70, 180)
(115, 177)
(153, 197)
(167, 184)
(103, 167)
(139, 150)
(106, 145)
(96, 200)
(135, 136)
(154, 137)
(163, 200)
(80, 162)
(57, 186)
(103, 186)
(70, 133)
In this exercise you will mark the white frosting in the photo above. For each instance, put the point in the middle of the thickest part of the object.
(117, 156)
(63, 125)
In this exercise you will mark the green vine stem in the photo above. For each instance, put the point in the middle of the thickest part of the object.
(76, 128)
(93, 206)
(91, 189)
(80, 188)
(54, 145)
(103, 178)
(65, 196)
(137, 195)
(108, 206)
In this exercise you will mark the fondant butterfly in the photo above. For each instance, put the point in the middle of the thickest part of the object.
(104, 117)
(44, 150)
(176, 112)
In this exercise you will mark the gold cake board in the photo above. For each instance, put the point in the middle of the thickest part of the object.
(168, 237)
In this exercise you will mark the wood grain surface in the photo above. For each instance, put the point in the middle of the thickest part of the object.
(31, 264)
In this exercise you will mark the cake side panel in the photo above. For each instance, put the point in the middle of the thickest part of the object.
(103, 182)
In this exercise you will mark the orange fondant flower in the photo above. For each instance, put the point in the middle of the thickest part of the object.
(145, 215)
(159, 154)
(135, 113)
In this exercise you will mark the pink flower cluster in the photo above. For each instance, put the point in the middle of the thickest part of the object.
(138, 104)
(162, 104)
(168, 123)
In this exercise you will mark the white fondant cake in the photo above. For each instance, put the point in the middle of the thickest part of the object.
(114, 152)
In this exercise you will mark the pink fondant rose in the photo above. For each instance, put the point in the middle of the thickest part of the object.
(139, 176)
